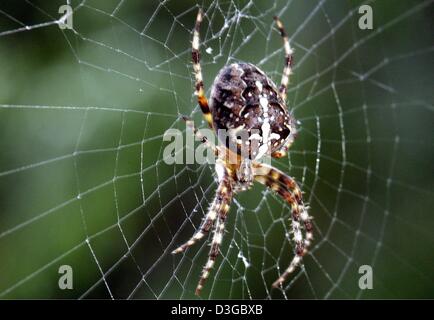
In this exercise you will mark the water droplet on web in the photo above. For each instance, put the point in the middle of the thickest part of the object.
(245, 261)
(208, 50)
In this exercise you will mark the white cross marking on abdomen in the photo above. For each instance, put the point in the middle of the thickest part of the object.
(267, 135)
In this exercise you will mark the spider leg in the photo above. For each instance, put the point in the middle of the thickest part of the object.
(195, 55)
(287, 70)
(279, 154)
(288, 189)
(190, 123)
(218, 205)
(224, 197)
(214, 251)
(284, 150)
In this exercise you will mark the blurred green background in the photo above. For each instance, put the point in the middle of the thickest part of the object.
(82, 181)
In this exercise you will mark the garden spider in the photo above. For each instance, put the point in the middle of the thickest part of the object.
(244, 98)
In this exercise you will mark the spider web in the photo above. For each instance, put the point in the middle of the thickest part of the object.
(83, 182)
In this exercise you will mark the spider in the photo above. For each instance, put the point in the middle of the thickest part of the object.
(243, 97)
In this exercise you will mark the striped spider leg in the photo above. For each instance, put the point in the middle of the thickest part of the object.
(287, 71)
(288, 190)
(190, 124)
(216, 215)
(199, 87)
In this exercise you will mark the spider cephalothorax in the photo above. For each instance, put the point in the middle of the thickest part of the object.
(246, 105)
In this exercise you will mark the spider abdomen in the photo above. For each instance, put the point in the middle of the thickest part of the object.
(244, 99)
